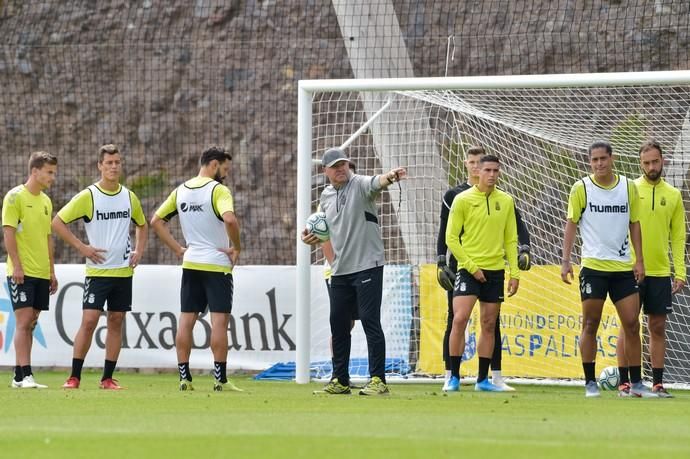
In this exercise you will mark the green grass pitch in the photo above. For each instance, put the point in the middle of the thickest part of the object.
(282, 419)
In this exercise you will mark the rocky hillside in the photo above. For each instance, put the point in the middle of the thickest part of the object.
(164, 78)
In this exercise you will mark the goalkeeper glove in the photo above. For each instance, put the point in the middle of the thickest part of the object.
(444, 275)
(524, 258)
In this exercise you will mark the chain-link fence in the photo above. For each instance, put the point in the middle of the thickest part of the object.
(163, 79)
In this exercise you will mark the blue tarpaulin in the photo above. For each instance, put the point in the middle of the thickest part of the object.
(319, 370)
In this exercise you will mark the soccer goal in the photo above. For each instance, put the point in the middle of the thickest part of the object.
(540, 128)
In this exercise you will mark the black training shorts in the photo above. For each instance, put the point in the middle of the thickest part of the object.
(490, 291)
(33, 293)
(115, 291)
(206, 288)
(656, 296)
(596, 284)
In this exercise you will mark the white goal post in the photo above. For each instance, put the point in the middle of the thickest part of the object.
(540, 127)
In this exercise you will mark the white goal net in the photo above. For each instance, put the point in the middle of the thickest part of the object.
(540, 128)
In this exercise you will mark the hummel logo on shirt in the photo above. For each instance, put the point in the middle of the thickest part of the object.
(608, 209)
(112, 215)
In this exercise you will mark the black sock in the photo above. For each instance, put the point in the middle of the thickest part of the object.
(624, 375)
(183, 367)
(77, 365)
(483, 373)
(18, 374)
(219, 372)
(108, 369)
(658, 376)
(26, 370)
(635, 374)
(455, 366)
(588, 368)
(498, 349)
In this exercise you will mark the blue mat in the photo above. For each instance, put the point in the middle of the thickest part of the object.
(359, 368)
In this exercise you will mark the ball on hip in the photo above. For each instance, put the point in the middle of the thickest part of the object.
(317, 225)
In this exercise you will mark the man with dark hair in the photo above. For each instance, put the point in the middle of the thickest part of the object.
(357, 282)
(26, 213)
(662, 220)
(606, 206)
(481, 235)
(446, 271)
(107, 208)
(212, 232)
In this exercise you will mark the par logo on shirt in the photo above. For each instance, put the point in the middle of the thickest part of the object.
(184, 207)
(498, 206)
(663, 201)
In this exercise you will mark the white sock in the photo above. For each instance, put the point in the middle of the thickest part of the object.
(447, 375)
(496, 376)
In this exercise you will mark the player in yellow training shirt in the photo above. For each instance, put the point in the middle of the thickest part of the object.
(26, 214)
(107, 209)
(481, 234)
(605, 206)
(662, 219)
(207, 217)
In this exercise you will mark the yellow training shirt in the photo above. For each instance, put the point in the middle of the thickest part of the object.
(30, 215)
(662, 218)
(482, 232)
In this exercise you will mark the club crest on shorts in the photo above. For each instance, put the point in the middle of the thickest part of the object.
(586, 288)
(91, 299)
(463, 286)
(22, 297)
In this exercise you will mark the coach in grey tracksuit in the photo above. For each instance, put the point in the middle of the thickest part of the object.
(357, 281)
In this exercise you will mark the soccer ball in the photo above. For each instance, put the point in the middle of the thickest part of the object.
(609, 379)
(316, 224)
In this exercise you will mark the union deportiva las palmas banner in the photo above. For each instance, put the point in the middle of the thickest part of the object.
(540, 327)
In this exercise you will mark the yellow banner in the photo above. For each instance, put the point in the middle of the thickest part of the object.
(540, 328)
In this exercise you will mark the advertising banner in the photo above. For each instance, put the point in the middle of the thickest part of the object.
(540, 327)
(261, 330)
